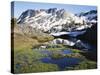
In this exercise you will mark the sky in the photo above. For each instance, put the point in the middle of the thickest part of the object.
(20, 6)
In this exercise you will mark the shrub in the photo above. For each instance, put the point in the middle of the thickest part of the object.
(56, 56)
(36, 67)
(86, 65)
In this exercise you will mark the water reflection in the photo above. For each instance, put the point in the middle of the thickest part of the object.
(63, 62)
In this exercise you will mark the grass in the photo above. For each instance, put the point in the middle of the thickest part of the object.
(75, 55)
(26, 61)
(26, 58)
(56, 56)
(26, 37)
(55, 47)
(21, 42)
(76, 50)
(37, 67)
(87, 64)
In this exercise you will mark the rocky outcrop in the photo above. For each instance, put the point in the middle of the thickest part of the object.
(90, 35)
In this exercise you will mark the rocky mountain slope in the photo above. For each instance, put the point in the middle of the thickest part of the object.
(37, 24)
(26, 37)
(90, 16)
(56, 20)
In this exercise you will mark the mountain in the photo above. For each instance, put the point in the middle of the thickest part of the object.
(91, 33)
(57, 26)
(90, 16)
(52, 20)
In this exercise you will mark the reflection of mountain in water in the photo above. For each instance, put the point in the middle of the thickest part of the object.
(63, 62)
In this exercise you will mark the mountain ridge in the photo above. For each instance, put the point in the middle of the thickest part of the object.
(54, 20)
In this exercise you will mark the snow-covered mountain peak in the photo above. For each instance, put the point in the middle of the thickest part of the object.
(90, 16)
(53, 19)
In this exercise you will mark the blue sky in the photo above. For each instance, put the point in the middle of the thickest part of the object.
(20, 7)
